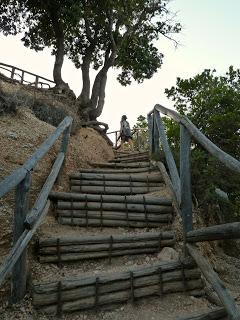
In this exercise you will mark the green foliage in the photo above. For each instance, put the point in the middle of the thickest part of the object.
(11, 14)
(140, 137)
(212, 103)
(129, 27)
(45, 19)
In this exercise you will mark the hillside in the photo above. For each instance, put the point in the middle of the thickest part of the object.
(22, 133)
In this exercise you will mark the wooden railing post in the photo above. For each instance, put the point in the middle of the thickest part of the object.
(22, 77)
(185, 178)
(156, 141)
(13, 72)
(115, 139)
(19, 274)
(150, 134)
(36, 81)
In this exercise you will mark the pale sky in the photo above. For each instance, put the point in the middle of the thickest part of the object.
(209, 39)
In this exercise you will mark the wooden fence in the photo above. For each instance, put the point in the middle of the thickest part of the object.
(26, 220)
(19, 75)
(180, 184)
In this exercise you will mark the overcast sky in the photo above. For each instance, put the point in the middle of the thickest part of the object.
(209, 39)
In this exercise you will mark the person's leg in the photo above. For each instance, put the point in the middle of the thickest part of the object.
(130, 141)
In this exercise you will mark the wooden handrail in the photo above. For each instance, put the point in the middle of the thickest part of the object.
(183, 203)
(15, 262)
(207, 144)
(12, 70)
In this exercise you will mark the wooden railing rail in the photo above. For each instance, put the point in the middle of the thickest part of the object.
(135, 132)
(27, 221)
(180, 186)
(38, 80)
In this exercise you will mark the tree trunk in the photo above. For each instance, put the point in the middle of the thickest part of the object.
(59, 57)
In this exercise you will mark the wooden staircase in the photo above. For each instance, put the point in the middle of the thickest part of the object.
(128, 193)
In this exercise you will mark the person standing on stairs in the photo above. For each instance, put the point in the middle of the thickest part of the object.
(125, 132)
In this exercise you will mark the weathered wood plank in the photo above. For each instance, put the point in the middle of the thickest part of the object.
(115, 215)
(89, 222)
(78, 182)
(168, 154)
(44, 193)
(150, 133)
(217, 232)
(19, 274)
(123, 238)
(114, 190)
(169, 185)
(117, 171)
(118, 165)
(185, 179)
(130, 207)
(20, 246)
(108, 247)
(217, 284)
(137, 199)
(154, 177)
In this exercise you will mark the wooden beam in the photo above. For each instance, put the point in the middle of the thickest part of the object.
(147, 199)
(41, 201)
(150, 133)
(169, 157)
(19, 274)
(20, 246)
(217, 232)
(185, 179)
(217, 284)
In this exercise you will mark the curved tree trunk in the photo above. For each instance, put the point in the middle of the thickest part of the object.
(59, 57)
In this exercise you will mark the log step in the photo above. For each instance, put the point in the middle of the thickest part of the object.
(81, 182)
(114, 190)
(87, 292)
(101, 222)
(123, 154)
(137, 199)
(92, 247)
(138, 177)
(118, 171)
(112, 211)
(130, 159)
(121, 165)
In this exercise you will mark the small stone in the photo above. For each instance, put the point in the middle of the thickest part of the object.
(168, 254)
(12, 135)
(147, 259)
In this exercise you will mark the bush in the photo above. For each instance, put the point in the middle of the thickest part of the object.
(49, 114)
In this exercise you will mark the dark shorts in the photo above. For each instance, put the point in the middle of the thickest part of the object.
(126, 138)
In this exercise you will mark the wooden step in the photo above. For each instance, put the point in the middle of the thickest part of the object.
(130, 159)
(140, 177)
(85, 292)
(112, 211)
(70, 248)
(137, 199)
(121, 165)
(115, 190)
(118, 170)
